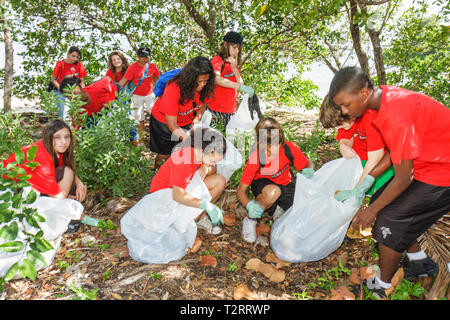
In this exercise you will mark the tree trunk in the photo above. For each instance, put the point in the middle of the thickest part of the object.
(378, 55)
(9, 62)
(356, 37)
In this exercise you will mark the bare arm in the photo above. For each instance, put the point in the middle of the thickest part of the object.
(55, 83)
(174, 128)
(241, 195)
(123, 81)
(373, 157)
(346, 148)
(181, 196)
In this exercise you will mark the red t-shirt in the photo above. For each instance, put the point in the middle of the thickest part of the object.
(169, 104)
(101, 92)
(135, 73)
(414, 126)
(68, 70)
(366, 136)
(276, 168)
(178, 170)
(115, 78)
(225, 99)
(43, 177)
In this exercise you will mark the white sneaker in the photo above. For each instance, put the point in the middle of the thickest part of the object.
(249, 229)
(277, 214)
(206, 224)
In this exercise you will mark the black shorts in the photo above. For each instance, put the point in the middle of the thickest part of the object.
(161, 138)
(286, 198)
(407, 217)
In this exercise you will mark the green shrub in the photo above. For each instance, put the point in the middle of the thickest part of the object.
(14, 212)
(104, 157)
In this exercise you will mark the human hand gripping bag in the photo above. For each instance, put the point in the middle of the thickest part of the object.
(159, 229)
(316, 224)
(57, 214)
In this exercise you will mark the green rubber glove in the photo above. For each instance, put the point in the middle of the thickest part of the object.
(247, 89)
(214, 212)
(254, 209)
(359, 192)
(90, 221)
(308, 173)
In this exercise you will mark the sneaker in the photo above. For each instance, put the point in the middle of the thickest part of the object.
(249, 229)
(277, 214)
(419, 268)
(372, 289)
(206, 224)
(73, 226)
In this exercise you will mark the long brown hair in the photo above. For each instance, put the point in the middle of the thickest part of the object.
(125, 63)
(47, 138)
(225, 53)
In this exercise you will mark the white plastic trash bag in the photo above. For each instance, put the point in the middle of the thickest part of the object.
(159, 229)
(316, 224)
(57, 214)
(242, 120)
(206, 118)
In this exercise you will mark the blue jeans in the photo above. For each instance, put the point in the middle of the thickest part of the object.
(61, 105)
(134, 136)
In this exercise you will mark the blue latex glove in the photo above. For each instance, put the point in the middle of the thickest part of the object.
(359, 192)
(254, 209)
(214, 212)
(247, 89)
(308, 173)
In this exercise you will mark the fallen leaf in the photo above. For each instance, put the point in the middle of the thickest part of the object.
(124, 264)
(278, 276)
(358, 233)
(367, 272)
(342, 293)
(229, 219)
(196, 246)
(116, 296)
(208, 260)
(271, 257)
(262, 229)
(354, 276)
(243, 292)
(253, 264)
(395, 281)
(266, 269)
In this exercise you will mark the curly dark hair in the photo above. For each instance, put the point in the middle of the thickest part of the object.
(187, 79)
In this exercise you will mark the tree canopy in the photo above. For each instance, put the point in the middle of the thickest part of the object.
(399, 44)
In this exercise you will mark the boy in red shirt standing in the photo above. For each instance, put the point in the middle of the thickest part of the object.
(268, 173)
(143, 74)
(415, 130)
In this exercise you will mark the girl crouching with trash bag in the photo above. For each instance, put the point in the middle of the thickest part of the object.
(55, 176)
(161, 227)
